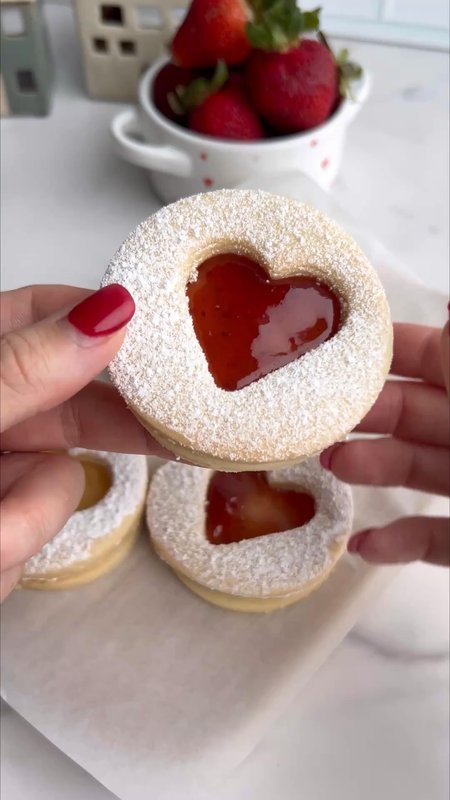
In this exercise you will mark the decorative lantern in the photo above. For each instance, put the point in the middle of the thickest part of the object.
(120, 39)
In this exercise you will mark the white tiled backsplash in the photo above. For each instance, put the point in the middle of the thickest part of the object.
(419, 22)
(415, 22)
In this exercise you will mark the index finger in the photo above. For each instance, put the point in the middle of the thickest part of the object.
(417, 353)
(22, 307)
(96, 418)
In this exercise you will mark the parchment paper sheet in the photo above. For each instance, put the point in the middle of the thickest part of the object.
(159, 695)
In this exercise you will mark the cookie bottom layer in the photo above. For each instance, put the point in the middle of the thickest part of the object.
(253, 605)
(90, 569)
(201, 459)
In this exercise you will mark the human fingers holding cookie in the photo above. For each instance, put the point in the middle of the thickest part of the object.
(413, 417)
(55, 340)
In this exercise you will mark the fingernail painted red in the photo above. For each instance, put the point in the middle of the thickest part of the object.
(356, 542)
(103, 312)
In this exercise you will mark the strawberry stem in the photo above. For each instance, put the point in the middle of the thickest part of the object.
(185, 98)
(277, 24)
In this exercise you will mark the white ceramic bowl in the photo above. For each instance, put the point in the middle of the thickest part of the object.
(183, 163)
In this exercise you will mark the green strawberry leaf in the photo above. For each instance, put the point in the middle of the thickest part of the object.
(348, 70)
(186, 98)
(278, 24)
(311, 20)
(342, 56)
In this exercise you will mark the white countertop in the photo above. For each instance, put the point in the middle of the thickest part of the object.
(373, 722)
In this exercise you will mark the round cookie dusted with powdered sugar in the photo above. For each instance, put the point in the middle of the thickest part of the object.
(98, 537)
(294, 411)
(254, 574)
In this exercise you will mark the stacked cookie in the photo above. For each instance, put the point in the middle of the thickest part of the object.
(262, 335)
(103, 529)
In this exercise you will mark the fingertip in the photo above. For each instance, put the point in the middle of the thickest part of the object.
(374, 546)
(404, 540)
(357, 541)
(382, 546)
(66, 463)
(38, 504)
(51, 361)
(326, 457)
(9, 580)
(102, 313)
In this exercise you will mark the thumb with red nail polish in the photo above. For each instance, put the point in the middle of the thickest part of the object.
(47, 362)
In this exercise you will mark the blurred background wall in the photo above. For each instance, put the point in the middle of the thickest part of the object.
(414, 22)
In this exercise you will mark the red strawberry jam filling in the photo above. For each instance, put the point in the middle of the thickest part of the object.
(249, 325)
(244, 505)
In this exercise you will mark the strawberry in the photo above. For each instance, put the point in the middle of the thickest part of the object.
(293, 90)
(212, 30)
(170, 80)
(226, 114)
(294, 84)
(217, 106)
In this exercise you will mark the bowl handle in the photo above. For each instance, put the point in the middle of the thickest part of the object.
(359, 94)
(162, 158)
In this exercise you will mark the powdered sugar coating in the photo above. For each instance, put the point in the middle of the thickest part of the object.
(261, 567)
(74, 542)
(292, 413)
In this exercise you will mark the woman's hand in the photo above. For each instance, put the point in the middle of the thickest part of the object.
(413, 415)
(55, 340)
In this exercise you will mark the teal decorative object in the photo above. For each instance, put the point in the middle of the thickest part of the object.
(26, 74)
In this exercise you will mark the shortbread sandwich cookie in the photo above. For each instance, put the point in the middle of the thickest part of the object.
(249, 541)
(261, 334)
(102, 531)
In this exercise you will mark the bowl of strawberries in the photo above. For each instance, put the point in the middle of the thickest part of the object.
(251, 87)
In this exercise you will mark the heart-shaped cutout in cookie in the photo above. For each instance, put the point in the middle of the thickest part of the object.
(244, 505)
(249, 325)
